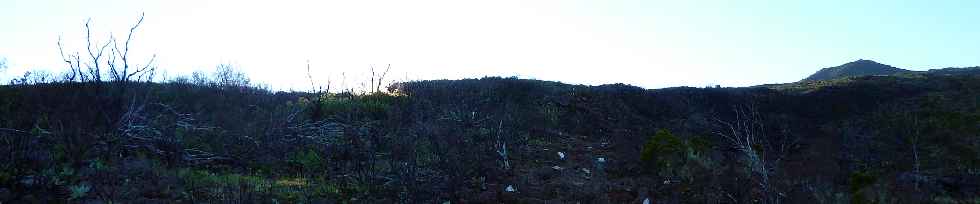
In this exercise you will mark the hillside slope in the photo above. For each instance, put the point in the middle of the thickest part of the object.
(890, 139)
(853, 69)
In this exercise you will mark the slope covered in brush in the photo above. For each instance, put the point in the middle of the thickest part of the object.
(491, 140)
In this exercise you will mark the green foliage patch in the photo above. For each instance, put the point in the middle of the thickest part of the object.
(309, 160)
(375, 105)
(666, 154)
(857, 182)
(208, 185)
(659, 148)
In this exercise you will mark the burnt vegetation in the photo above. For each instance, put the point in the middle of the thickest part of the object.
(216, 137)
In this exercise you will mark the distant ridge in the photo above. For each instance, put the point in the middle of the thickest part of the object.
(856, 68)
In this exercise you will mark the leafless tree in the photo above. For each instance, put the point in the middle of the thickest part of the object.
(748, 133)
(317, 111)
(75, 69)
(908, 127)
(148, 128)
(97, 56)
(317, 89)
(33, 77)
(227, 75)
(381, 76)
(913, 134)
(502, 146)
(122, 72)
(94, 71)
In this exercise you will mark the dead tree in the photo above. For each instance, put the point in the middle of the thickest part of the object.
(748, 134)
(97, 56)
(906, 126)
(94, 71)
(912, 133)
(122, 72)
(317, 89)
(75, 69)
(502, 146)
(381, 76)
(318, 94)
(153, 129)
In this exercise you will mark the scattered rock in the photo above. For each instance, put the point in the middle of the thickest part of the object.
(28, 181)
(561, 155)
(510, 188)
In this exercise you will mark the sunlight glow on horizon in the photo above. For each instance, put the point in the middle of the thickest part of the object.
(652, 44)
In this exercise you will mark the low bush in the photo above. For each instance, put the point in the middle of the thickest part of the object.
(372, 106)
(663, 151)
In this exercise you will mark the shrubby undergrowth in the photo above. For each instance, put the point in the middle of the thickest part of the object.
(487, 140)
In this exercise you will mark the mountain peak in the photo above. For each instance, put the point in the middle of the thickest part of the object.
(861, 67)
(864, 62)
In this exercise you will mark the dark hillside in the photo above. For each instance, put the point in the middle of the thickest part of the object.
(955, 71)
(854, 69)
(887, 139)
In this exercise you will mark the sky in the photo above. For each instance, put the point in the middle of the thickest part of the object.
(650, 43)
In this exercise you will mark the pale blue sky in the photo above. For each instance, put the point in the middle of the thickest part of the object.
(650, 43)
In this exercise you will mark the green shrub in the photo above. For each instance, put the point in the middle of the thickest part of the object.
(308, 160)
(206, 185)
(662, 151)
(80, 190)
(374, 105)
(858, 181)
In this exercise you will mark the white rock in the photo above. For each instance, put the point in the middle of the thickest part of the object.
(601, 160)
(510, 188)
(558, 168)
(561, 155)
(646, 201)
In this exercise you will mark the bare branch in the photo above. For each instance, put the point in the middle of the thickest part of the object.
(371, 85)
(146, 70)
(14, 130)
(381, 78)
(94, 71)
(123, 54)
(72, 65)
(309, 75)
(747, 133)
